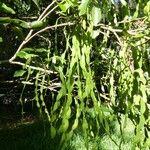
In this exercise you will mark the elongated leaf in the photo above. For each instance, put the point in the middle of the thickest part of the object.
(64, 6)
(1, 39)
(25, 55)
(19, 73)
(27, 49)
(64, 126)
(53, 132)
(123, 2)
(147, 8)
(96, 15)
(4, 20)
(95, 33)
(83, 7)
(36, 2)
(6, 9)
(37, 24)
(21, 23)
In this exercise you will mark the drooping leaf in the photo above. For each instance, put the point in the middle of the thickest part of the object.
(147, 8)
(124, 3)
(25, 55)
(37, 24)
(83, 7)
(19, 22)
(53, 132)
(6, 9)
(4, 20)
(40, 50)
(1, 39)
(96, 15)
(19, 73)
(95, 33)
(27, 49)
(64, 6)
(64, 126)
(36, 2)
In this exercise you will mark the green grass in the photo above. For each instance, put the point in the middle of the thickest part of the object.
(35, 136)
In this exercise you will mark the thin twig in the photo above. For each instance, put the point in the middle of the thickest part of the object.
(20, 47)
(47, 8)
(50, 27)
(51, 87)
(31, 31)
(33, 67)
(114, 32)
(49, 12)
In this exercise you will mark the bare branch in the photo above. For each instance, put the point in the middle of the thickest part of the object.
(33, 67)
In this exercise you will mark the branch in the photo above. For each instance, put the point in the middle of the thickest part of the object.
(42, 16)
(33, 67)
(50, 27)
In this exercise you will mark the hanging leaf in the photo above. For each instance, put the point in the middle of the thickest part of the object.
(37, 24)
(53, 132)
(147, 8)
(36, 2)
(21, 23)
(19, 73)
(95, 33)
(83, 7)
(41, 50)
(25, 55)
(64, 126)
(124, 3)
(96, 15)
(6, 9)
(1, 39)
(4, 20)
(64, 6)
(27, 49)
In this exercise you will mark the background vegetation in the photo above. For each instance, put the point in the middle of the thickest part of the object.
(81, 65)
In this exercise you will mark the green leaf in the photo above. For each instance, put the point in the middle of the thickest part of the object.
(6, 9)
(143, 107)
(27, 49)
(25, 25)
(19, 73)
(96, 15)
(53, 132)
(95, 33)
(37, 24)
(25, 55)
(21, 23)
(1, 39)
(36, 2)
(64, 126)
(83, 7)
(40, 50)
(124, 3)
(64, 6)
(147, 8)
(75, 124)
(5, 20)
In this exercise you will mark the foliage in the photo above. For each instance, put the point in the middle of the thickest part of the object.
(34, 135)
(92, 57)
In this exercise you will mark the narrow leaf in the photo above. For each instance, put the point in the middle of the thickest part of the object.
(96, 15)
(19, 73)
(83, 7)
(6, 9)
